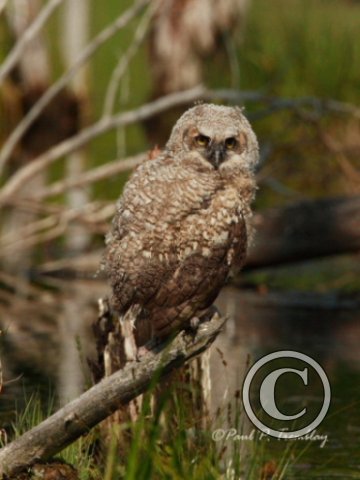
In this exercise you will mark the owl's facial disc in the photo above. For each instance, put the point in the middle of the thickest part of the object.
(216, 150)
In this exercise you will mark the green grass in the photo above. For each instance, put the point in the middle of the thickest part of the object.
(165, 445)
(78, 453)
(174, 442)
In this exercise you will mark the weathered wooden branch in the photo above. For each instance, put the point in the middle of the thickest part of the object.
(306, 230)
(100, 401)
(93, 175)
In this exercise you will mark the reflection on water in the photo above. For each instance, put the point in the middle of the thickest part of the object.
(325, 329)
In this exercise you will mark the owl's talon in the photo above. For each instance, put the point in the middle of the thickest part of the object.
(194, 323)
(141, 353)
(150, 347)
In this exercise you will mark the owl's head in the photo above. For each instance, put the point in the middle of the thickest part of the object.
(221, 135)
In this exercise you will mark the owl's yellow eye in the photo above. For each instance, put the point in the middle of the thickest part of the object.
(230, 143)
(202, 140)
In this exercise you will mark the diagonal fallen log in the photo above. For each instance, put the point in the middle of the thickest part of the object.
(79, 416)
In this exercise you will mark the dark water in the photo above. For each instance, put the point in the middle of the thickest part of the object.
(327, 330)
(320, 326)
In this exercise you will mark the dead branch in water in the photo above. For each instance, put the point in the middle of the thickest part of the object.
(100, 401)
(301, 231)
(305, 230)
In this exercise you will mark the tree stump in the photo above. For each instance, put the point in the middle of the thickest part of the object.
(117, 344)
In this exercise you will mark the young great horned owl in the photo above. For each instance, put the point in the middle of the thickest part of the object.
(182, 221)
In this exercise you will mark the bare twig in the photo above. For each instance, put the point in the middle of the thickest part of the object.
(162, 104)
(105, 124)
(79, 416)
(34, 206)
(31, 32)
(274, 104)
(91, 176)
(53, 226)
(122, 65)
(34, 63)
(43, 101)
(19, 285)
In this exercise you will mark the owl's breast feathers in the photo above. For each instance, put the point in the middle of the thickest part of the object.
(176, 234)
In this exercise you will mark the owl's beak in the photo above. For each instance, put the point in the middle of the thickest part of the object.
(216, 155)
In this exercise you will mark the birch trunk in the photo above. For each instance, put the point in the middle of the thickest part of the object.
(34, 71)
(72, 327)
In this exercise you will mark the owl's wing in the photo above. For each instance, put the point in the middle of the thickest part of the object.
(164, 211)
(195, 283)
(159, 195)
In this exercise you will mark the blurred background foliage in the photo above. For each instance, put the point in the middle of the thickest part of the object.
(285, 50)
(294, 49)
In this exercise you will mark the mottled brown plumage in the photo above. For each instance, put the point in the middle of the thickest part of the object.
(182, 221)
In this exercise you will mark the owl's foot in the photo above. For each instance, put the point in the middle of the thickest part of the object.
(205, 317)
(151, 346)
(194, 323)
(142, 352)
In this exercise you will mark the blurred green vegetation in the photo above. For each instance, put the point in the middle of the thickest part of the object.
(341, 273)
(303, 47)
(287, 49)
(133, 90)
